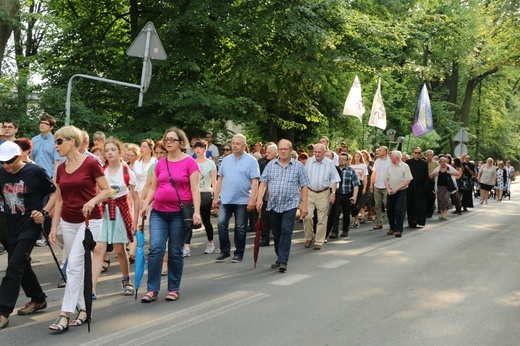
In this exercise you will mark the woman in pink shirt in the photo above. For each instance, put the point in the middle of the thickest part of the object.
(166, 222)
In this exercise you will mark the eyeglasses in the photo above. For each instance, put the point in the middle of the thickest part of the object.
(45, 123)
(9, 127)
(160, 153)
(59, 141)
(8, 162)
(168, 140)
(416, 152)
(227, 149)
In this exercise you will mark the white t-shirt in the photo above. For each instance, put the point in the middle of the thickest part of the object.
(141, 172)
(381, 167)
(361, 171)
(205, 175)
(117, 181)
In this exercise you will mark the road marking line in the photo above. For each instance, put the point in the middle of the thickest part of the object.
(202, 312)
(290, 280)
(334, 264)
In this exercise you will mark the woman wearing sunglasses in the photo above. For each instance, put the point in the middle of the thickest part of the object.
(77, 198)
(175, 182)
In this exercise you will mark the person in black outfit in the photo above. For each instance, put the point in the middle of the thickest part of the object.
(23, 187)
(271, 154)
(417, 192)
(469, 174)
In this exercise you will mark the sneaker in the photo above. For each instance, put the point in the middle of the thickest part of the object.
(41, 242)
(210, 248)
(236, 259)
(419, 226)
(2, 250)
(31, 307)
(61, 283)
(4, 321)
(282, 268)
(356, 224)
(275, 265)
(186, 252)
(221, 258)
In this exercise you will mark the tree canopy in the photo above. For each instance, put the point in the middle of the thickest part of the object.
(278, 68)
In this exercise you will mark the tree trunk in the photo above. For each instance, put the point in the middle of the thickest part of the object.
(470, 87)
(11, 7)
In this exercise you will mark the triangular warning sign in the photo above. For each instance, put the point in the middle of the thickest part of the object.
(138, 47)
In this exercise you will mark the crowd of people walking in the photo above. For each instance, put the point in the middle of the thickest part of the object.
(54, 188)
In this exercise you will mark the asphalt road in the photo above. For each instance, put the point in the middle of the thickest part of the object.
(454, 282)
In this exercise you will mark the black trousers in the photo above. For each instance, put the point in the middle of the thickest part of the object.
(416, 201)
(19, 273)
(344, 205)
(430, 196)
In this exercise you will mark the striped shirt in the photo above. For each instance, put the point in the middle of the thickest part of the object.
(321, 174)
(284, 184)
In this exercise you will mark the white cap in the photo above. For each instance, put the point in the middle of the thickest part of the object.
(8, 150)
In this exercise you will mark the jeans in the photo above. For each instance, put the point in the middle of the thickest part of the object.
(282, 225)
(395, 210)
(224, 215)
(166, 226)
(19, 273)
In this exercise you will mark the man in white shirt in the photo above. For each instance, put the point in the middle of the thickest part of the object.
(377, 183)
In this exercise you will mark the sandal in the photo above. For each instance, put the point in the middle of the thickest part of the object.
(149, 297)
(79, 320)
(172, 296)
(128, 289)
(131, 259)
(58, 327)
(105, 267)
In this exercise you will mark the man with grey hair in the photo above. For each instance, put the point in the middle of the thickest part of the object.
(271, 153)
(398, 177)
(236, 189)
(322, 191)
(377, 183)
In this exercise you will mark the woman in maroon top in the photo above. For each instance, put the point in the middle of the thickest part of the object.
(77, 197)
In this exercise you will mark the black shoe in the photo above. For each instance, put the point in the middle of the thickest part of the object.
(282, 268)
(264, 242)
(275, 265)
(333, 235)
(221, 258)
(236, 259)
(62, 283)
(344, 234)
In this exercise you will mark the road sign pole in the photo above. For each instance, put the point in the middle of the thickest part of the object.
(146, 61)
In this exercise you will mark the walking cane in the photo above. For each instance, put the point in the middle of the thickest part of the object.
(52, 251)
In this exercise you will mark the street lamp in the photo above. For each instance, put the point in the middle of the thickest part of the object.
(391, 136)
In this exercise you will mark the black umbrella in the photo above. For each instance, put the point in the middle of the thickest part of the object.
(53, 254)
(88, 244)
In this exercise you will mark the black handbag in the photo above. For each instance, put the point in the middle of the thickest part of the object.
(450, 185)
(187, 209)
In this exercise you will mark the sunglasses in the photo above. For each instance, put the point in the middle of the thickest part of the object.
(59, 141)
(416, 152)
(168, 140)
(8, 162)
(227, 149)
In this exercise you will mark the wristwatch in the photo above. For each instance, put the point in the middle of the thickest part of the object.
(44, 212)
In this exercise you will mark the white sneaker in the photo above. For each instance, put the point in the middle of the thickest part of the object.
(210, 248)
(41, 242)
(186, 252)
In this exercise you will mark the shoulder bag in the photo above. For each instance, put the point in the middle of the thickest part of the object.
(187, 209)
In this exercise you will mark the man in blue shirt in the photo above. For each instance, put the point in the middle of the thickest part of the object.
(236, 188)
(44, 153)
(286, 180)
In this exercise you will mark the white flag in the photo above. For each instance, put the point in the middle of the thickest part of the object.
(354, 104)
(378, 113)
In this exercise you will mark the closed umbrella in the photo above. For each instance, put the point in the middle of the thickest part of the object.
(258, 235)
(88, 244)
(140, 260)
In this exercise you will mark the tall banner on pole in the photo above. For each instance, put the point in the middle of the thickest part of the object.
(378, 113)
(354, 104)
(423, 121)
